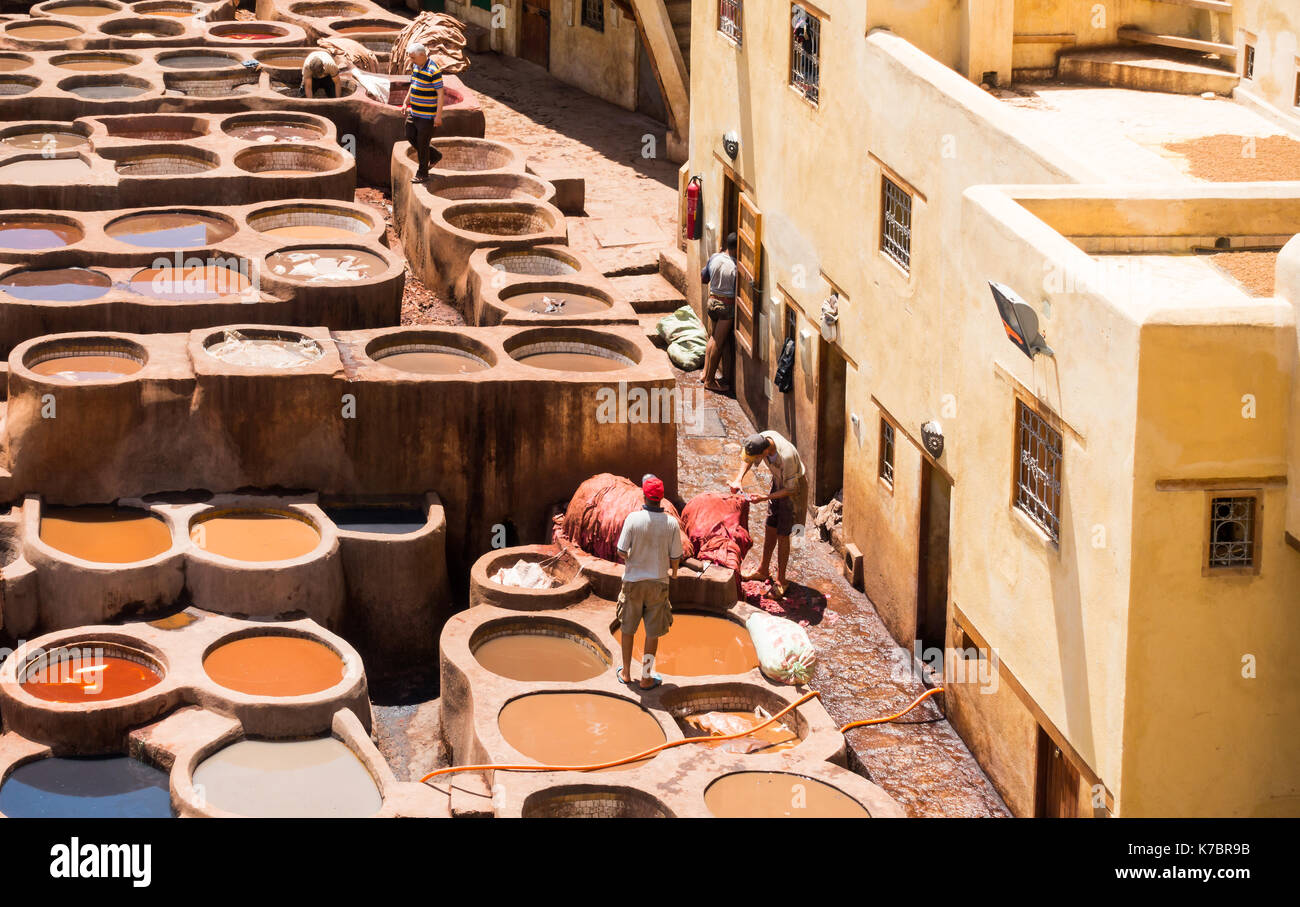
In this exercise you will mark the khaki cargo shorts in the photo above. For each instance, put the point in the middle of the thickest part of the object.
(644, 600)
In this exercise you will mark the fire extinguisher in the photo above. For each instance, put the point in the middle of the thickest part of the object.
(695, 208)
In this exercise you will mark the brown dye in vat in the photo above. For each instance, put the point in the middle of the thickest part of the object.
(85, 675)
(51, 32)
(53, 170)
(774, 738)
(557, 303)
(273, 132)
(255, 536)
(573, 362)
(86, 368)
(539, 656)
(198, 61)
(85, 9)
(322, 265)
(94, 64)
(13, 64)
(105, 535)
(366, 29)
(42, 140)
(56, 284)
(310, 231)
(698, 645)
(174, 12)
(170, 230)
(34, 234)
(578, 728)
(274, 666)
(108, 91)
(777, 795)
(187, 283)
(287, 60)
(434, 362)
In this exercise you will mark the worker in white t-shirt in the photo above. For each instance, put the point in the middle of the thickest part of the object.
(788, 499)
(320, 76)
(651, 546)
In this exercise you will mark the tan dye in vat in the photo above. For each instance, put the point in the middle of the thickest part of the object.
(778, 795)
(255, 536)
(274, 666)
(556, 303)
(85, 9)
(86, 368)
(94, 64)
(573, 362)
(105, 535)
(170, 230)
(774, 738)
(44, 139)
(198, 282)
(12, 64)
(51, 32)
(539, 656)
(578, 728)
(698, 645)
(310, 231)
(325, 265)
(53, 170)
(318, 779)
(433, 362)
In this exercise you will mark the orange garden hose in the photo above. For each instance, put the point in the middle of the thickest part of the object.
(654, 750)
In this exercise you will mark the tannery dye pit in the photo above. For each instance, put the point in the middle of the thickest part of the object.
(540, 656)
(274, 665)
(107, 535)
(89, 672)
(698, 645)
(255, 535)
(112, 787)
(288, 779)
(578, 728)
(775, 795)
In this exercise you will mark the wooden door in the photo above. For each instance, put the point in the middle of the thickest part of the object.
(749, 251)
(535, 32)
(1057, 792)
(932, 557)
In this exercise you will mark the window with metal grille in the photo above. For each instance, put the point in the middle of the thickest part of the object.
(887, 452)
(896, 222)
(1232, 532)
(1248, 67)
(805, 51)
(1038, 470)
(729, 19)
(593, 14)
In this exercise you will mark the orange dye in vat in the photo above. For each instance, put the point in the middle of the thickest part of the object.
(106, 535)
(86, 368)
(274, 666)
(578, 728)
(85, 675)
(698, 645)
(539, 656)
(778, 795)
(255, 536)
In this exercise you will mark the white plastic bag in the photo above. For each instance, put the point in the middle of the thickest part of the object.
(524, 575)
(785, 654)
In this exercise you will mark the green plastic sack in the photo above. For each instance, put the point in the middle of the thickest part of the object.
(686, 339)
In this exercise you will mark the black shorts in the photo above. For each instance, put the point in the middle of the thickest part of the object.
(780, 515)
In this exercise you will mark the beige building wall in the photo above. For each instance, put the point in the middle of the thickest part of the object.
(1273, 26)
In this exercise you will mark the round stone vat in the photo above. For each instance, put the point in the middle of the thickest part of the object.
(94, 62)
(45, 171)
(198, 59)
(376, 34)
(778, 795)
(327, 9)
(701, 644)
(105, 534)
(142, 27)
(274, 665)
(539, 649)
(14, 62)
(556, 299)
(41, 29)
(576, 729)
(12, 84)
(109, 787)
(288, 59)
(377, 518)
(310, 222)
(167, 161)
(38, 231)
(247, 31)
(509, 219)
(332, 264)
(190, 283)
(171, 229)
(715, 710)
(89, 671)
(572, 350)
(487, 186)
(592, 801)
(287, 159)
(274, 127)
(571, 586)
(46, 137)
(431, 353)
(211, 85)
(158, 128)
(287, 779)
(80, 8)
(105, 87)
(537, 262)
(263, 348)
(469, 154)
(259, 535)
(170, 8)
(55, 284)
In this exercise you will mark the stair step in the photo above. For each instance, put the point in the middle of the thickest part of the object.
(1146, 69)
(672, 265)
(1129, 33)
(679, 12)
(1214, 6)
(649, 293)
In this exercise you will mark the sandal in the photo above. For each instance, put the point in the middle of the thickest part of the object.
(618, 675)
(658, 680)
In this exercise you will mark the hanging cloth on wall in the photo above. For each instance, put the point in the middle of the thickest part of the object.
(784, 378)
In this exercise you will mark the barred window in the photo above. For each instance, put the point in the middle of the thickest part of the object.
(887, 452)
(805, 51)
(1038, 470)
(593, 14)
(1232, 532)
(729, 19)
(896, 222)
(1248, 67)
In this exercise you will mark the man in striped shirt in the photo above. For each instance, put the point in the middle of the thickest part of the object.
(423, 107)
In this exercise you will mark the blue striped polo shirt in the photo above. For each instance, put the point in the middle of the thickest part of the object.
(425, 82)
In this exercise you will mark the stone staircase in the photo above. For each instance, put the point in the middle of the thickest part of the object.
(679, 14)
(1153, 61)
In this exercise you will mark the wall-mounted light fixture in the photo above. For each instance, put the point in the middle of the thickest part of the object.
(1020, 321)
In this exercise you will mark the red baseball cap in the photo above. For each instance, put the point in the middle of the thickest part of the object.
(653, 488)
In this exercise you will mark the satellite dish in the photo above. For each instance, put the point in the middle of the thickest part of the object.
(1020, 321)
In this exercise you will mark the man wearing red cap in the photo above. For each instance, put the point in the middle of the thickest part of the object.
(651, 545)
